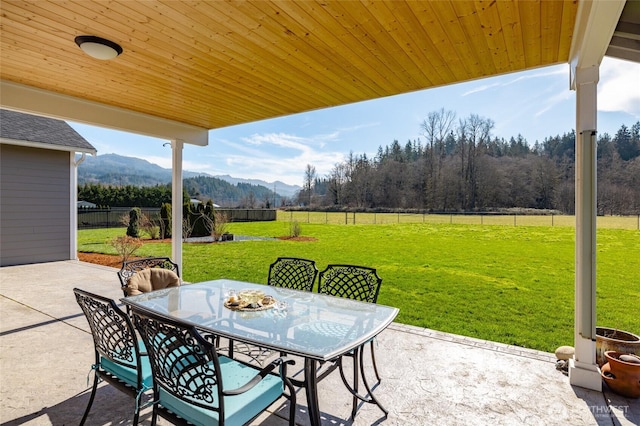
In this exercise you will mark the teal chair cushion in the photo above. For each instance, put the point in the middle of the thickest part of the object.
(239, 409)
(130, 375)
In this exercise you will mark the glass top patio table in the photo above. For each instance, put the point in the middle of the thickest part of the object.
(312, 325)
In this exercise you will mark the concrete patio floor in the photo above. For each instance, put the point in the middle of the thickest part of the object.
(429, 377)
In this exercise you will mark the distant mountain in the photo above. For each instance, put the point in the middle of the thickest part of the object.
(278, 187)
(113, 169)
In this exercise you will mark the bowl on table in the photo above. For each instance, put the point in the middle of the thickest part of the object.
(251, 297)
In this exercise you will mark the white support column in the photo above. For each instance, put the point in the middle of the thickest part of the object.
(73, 167)
(73, 226)
(583, 370)
(176, 203)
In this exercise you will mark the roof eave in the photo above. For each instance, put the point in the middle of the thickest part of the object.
(43, 145)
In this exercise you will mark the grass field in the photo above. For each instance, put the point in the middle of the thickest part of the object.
(348, 218)
(507, 284)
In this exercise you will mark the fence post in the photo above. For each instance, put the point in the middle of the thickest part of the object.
(346, 221)
(308, 216)
(552, 220)
(451, 219)
(354, 218)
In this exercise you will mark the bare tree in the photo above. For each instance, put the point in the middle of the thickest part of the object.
(309, 178)
(337, 180)
(436, 127)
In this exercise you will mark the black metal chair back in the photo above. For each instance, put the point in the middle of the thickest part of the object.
(130, 267)
(187, 374)
(351, 282)
(118, 358)
(292, 272)
(358, 283)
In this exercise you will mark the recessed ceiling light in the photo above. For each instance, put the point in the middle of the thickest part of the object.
(98, 47)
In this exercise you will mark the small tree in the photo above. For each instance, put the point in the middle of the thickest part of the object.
(165, 216)
(294, 229)
(134, 223)
(187, 228)
(126, 246)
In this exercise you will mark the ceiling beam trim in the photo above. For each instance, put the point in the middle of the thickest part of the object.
(595, 24)
(36, 101)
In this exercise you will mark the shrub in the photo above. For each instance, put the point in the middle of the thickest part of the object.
(150, 226)
(295, 229)
(199, 219)
(165, 220)
(134, 223)
(220, 224)
(126, 246)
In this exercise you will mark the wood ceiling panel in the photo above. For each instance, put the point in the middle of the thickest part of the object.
(530, 14)
(512, 33)
(566, 29)
(467, 14)
(424, 66)
(551, 20)
(219, 63)
(441, 48)
(349, 46)
(489, 18)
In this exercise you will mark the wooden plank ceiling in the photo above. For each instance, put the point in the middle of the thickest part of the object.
(213, 64)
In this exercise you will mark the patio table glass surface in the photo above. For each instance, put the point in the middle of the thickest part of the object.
(311, 325)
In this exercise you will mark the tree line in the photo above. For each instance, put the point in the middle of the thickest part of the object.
(460, 166)
(221, 192)
(125, 196)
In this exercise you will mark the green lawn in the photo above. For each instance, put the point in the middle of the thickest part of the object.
(507, 284)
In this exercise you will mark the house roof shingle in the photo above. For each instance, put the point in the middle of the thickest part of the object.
(42, 131)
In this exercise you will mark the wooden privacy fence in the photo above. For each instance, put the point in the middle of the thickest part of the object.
(366, 218)
(89, 218)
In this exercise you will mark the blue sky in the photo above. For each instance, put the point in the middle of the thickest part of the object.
(535, 103)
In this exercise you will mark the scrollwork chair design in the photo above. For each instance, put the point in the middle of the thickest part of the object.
(119, 358)
(293, 272)
(192, 382)
(358, 283)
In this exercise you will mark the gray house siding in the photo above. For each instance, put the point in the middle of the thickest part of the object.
(35, 200)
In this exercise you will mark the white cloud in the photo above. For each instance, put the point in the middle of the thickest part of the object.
(279, 156)
(619, 87)
(480, 89)
(548, 72)
(554, 100)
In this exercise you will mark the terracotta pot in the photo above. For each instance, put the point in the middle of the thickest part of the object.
(622, 377)
(611, 339)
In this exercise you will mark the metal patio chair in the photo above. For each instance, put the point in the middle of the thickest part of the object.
(359, 283)
(119, 357)
(192, 383)
(286, 272)
(293, 272)
(157, 279)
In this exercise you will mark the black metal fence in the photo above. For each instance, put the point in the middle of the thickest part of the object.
(89, 218)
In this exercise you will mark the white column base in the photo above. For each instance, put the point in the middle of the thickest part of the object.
(585, 375)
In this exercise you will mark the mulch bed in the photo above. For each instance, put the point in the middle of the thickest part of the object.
(115, 261)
